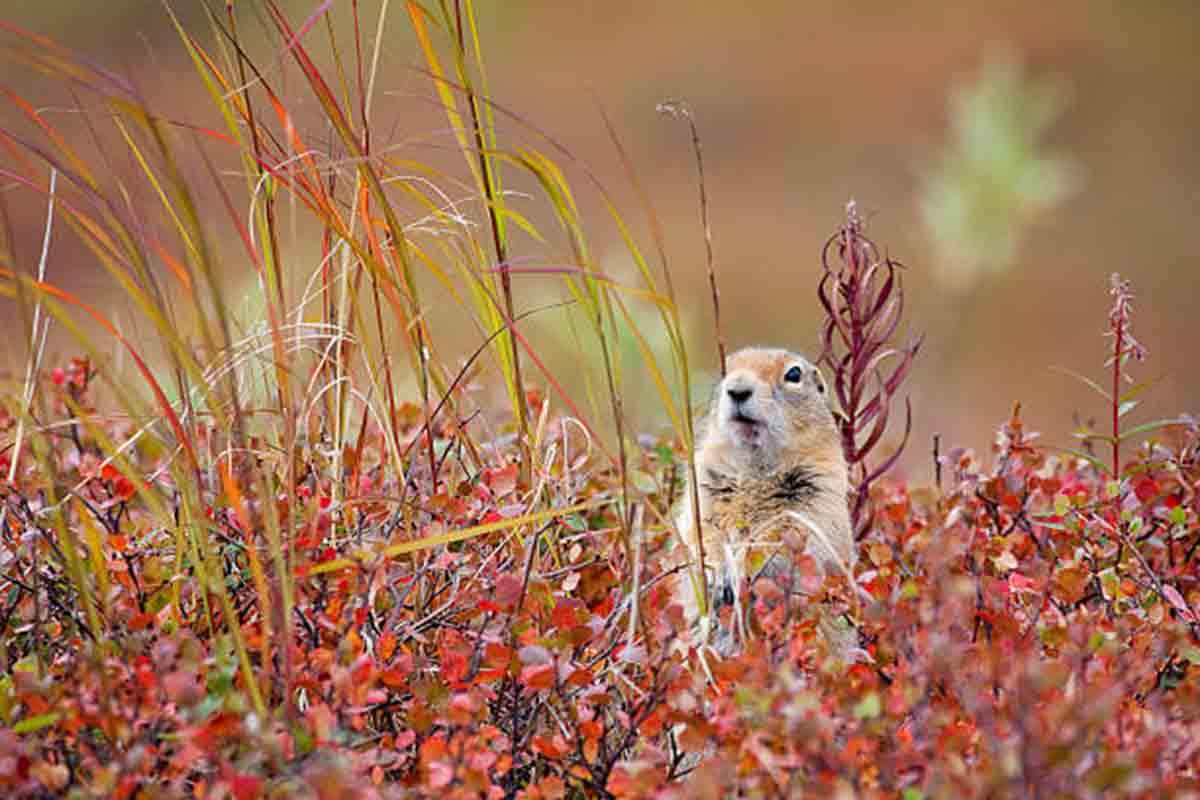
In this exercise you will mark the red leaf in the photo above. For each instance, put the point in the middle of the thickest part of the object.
(140, 621)
(362, 670)
(393, 678)
(538, 676)
(245, 787)
(501, 481)
(496, 654)
(563, 615)
(508, 590)
(555, 747)
(1146, 489)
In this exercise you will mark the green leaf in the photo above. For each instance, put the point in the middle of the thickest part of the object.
(1110, 776)
(1053, 637)
(869, 707)
(643, 481)
(28, 664)
(7, 698)
(304, 739)
(1084, 380)
(1109, 584)
(1088, 457)
(1126, 407)
(1137, 389)
(1062, 504)
(31, 724)
(1149, 427)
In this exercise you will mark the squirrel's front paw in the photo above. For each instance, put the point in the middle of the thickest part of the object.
(724, 596)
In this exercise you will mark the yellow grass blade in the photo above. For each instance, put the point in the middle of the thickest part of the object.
(459, 535)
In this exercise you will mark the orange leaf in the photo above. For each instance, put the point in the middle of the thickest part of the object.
(538, 676)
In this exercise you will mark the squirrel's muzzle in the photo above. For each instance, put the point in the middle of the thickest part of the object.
(739, 394)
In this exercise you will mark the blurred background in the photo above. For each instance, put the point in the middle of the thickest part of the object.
(1012, 154)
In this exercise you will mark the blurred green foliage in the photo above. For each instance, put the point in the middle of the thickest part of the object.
(994, 177)
(562, 332)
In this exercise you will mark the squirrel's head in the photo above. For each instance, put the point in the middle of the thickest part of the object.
(770, 400)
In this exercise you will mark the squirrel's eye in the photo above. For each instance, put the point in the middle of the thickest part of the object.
(794, 375)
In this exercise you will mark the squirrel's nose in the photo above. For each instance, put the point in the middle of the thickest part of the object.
(738, 394)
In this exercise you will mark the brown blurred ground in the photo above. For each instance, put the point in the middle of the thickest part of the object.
(803, 106)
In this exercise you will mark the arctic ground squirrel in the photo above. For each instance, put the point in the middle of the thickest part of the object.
(772, 486)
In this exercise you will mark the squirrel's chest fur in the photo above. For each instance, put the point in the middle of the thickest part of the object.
(755, 515)
(744, 504)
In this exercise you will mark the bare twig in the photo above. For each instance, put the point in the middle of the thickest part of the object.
(37, 343)
(679, 109)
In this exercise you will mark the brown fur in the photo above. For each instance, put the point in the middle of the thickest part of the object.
(772, 483)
